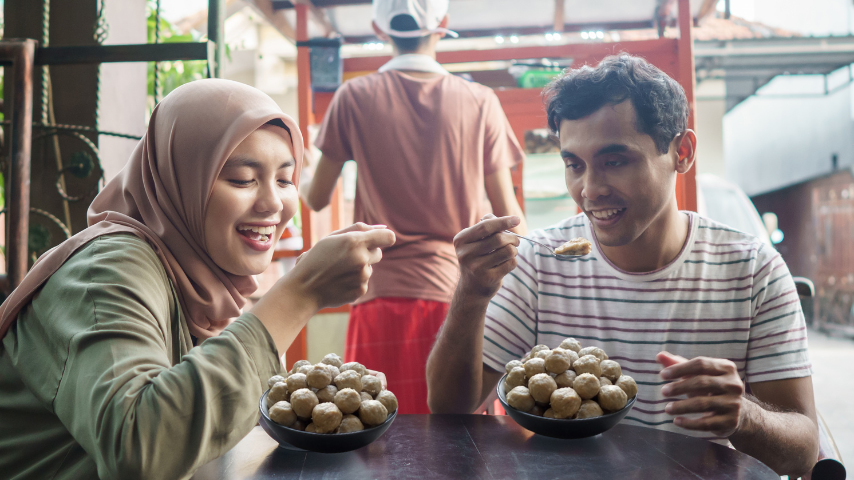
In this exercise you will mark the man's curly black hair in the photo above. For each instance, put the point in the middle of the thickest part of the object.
(660, 102)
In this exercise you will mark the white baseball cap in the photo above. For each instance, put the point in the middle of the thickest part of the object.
(428, 14)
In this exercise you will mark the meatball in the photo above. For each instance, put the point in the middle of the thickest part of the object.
(589, 409)
(388, 399)
(348, 400)
(564, 402)
(276, 379)
(543, 354)
(310, 428)
(604, 381)
(349, 379)
(326, 417)
(612, 398)
(571, 344)
(587, 364)
(558, 361)
(333, 370)
(303, 402)
(296, 381)
(318, 377)
(541, 387)
(283, 414)
(511, 365)
(520, 399)
(365, 396)
(327, 394)
(565, 379)
(372, 385)
(586, 385)
(595, 351)
(355, 366)
(305, 369)
(535, 366)
(278, 393)
(298, 364)
(628, 385)
(610, 370)
(332, 359)
(515, 378)
(537, 411)
(549, 413)
(350, 423)
(537, 349)
(373, 413)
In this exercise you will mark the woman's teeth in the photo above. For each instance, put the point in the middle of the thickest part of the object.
(607, 214)
(260, 234)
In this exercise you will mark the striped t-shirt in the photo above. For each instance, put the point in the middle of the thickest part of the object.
(726, 295)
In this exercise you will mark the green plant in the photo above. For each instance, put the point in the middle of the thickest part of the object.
(177, 73)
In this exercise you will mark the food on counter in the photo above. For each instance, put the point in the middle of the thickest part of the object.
(330, 397)
(304, 401)
(567, 382)
(318, 376)
(326, 417)
(576, 246)
(388, 399)
(283, 414)
(589, 409)
(373, 413)
(587, 386)
(612, 398)
(628, 385)
(610, 370)
(350, 423)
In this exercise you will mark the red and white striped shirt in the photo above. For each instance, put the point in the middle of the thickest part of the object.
(726, 295)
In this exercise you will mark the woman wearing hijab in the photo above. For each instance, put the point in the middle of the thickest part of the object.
(124, 352)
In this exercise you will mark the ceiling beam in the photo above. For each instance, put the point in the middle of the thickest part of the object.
(288, 4)
(319, 16)
(276, 18)
(492, 32)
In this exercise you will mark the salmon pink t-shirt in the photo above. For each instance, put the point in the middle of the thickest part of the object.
(423, 147)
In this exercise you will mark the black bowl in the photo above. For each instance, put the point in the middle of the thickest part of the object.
(563, 428)
(320, 442)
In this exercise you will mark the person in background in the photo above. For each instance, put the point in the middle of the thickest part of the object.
(125, 352)
(429, 147)
(705, 318)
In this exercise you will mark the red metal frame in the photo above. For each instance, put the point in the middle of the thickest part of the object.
(523, 107)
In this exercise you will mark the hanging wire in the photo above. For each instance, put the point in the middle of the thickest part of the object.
(45, 41)
(102, 28)
(156, 41)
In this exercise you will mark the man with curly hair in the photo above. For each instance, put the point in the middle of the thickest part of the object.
(706, 319)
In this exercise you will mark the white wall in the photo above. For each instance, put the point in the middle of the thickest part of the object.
(709, 120)
(791, 129)
(123, 86)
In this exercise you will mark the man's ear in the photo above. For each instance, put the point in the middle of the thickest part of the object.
(443, 24)
(685, 145)
(383, 36)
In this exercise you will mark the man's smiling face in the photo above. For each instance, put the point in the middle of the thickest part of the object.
(615, 173)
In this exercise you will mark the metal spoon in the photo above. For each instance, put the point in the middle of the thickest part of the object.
(538, 243)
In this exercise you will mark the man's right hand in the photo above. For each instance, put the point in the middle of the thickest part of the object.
(336, 270)
(486, 254)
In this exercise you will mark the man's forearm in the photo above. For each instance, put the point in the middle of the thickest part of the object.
(785, 441)
(455, 366)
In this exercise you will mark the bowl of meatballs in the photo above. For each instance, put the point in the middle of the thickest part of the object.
(566, 392)
(329, 407)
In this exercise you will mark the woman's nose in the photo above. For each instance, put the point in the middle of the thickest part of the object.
(269, 199)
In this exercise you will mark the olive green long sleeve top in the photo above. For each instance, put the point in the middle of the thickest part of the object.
(99, 377)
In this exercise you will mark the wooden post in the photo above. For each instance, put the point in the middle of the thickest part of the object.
(299, 348)
(21, 53)
(686, 185)
(216, 34)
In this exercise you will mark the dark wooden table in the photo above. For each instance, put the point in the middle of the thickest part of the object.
(429, 447)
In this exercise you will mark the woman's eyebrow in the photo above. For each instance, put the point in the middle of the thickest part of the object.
(286, 164)
(242, 162)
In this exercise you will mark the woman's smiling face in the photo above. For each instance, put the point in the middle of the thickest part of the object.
(251, 201)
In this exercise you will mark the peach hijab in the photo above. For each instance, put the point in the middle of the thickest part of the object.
(161, 196)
